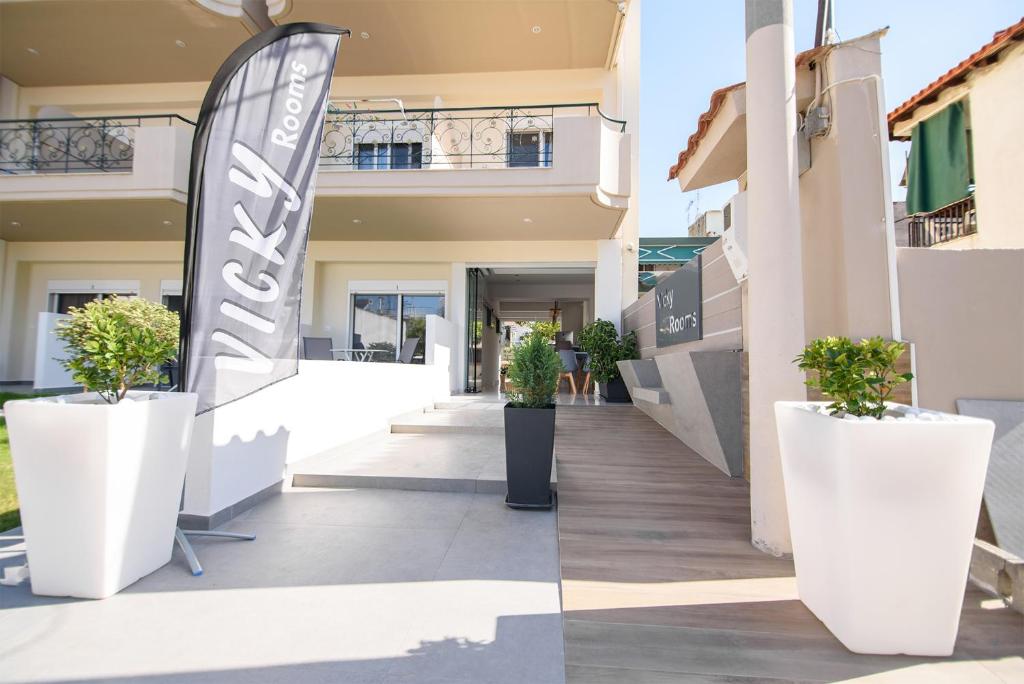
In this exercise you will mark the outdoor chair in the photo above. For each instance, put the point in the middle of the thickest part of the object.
(317, 348)
(569, 368)
(408, 349)
(586, 373)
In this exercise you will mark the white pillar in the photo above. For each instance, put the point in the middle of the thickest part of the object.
(776, 315)
(6, 303)
(608, 282)
(456, 306)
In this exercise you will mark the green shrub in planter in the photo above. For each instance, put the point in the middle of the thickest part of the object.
(534, 373)
(602, 342)
(116, 344)
(858, 377)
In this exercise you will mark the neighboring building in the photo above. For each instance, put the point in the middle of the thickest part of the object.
(710, 223)
(662, 255)
(814, 253)
(477, 164)
(967, 149)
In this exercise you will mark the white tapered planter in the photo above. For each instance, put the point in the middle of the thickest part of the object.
(882, 516)
(99, 486)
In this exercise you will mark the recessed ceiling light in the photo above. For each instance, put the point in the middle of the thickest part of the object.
(180, 43)
(15, 224)
(168, 222)
(364, 35)
(32, 51)
(536, 29)
(357, 220)
(527, 220)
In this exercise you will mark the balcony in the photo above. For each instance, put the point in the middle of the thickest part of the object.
(950, 222)
(423, 174)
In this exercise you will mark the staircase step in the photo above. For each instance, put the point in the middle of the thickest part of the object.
(452, 421)
(410, 461)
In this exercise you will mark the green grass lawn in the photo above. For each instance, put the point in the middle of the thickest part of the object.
(9, 515)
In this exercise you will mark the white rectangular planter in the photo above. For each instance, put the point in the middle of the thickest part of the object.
(882, 516)
(99, 486)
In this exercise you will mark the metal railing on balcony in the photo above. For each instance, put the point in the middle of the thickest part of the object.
(74, 145)
(454, 138)
(952, 221)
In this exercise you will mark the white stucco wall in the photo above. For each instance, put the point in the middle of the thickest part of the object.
(244, 447)
(997, 130)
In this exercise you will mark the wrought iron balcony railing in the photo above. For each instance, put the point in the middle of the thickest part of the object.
(73, 145)
(360, 140)
(955, 220)
(459, 138)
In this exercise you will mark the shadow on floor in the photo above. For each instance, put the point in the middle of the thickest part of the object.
(455, 660)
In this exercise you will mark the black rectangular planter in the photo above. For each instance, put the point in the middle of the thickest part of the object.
(615, 392)
(529, 445)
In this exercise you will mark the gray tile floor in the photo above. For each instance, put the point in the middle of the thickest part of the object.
(340, 586)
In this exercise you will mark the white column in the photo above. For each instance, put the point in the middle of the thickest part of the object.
(6, 303)
(776, 315)
(608, 282)
(456, 306)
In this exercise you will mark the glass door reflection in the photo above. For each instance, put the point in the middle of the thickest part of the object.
(375, 324)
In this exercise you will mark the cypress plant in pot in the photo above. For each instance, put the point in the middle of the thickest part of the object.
(601, 341)
(530, 422)
(99, 474)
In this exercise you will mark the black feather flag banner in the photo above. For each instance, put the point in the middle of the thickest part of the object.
(250, 202)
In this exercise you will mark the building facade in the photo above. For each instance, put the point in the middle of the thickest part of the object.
(477, 164)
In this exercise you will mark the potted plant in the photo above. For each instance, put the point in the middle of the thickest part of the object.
(883, 501)
(530, 422)
(99, 474)
(601, 341)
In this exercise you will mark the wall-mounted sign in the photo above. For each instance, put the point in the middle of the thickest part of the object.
(677, 300)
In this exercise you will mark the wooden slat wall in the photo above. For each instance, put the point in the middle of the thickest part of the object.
(723, 319)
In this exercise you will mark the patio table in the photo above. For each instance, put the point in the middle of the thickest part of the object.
(360, 354)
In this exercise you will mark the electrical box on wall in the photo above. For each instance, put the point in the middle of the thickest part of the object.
(734, 237)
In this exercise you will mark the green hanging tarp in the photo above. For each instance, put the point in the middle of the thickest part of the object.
(939, 172)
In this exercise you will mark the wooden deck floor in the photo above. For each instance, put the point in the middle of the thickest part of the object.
(660, 583)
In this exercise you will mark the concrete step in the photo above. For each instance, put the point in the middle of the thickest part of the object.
(411, 461)
(466, 421)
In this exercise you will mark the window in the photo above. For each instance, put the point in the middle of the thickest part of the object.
(375, 324)
(174, 302)
(415, 309)
(385, 321)
(61, 302)
(532, 148)
(389, 156)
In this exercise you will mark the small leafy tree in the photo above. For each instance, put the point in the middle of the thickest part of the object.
(602, 342)
(116, 344)
(858, 377)
(546, 328)
(534, 373)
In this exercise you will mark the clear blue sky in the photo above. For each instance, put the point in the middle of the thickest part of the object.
(690, 48)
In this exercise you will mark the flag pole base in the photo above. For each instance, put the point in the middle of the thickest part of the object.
(181, 537)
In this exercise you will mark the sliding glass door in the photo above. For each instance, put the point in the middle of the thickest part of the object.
(375, 324)
(474, 329)
(415, 309)
(385, 321)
